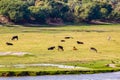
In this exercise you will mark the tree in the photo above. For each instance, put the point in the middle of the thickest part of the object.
(16, 10)
(31, 2)
(115, 15)
(93, 11)
(104, 13)
(39, 13)
(58, 9)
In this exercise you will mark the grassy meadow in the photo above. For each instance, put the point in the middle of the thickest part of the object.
(36, 40)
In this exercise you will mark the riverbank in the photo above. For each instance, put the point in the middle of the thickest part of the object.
(97, 76)
(39, 73)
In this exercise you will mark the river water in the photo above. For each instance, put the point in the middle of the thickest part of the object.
(100, 76)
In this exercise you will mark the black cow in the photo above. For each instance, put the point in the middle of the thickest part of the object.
(14, 38)
(78, 42)
(51, 48)
(68, 37)
(93, 49)
(8, 43)
(60, 48)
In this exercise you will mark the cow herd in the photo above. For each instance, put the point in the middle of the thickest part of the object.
(61, 48)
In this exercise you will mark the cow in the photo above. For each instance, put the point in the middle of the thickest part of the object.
(74, 48)
(78, 42)
(109, 38)
(62, 40)
(68, 37)
(8, 43)
(93, 49)
(14, 38)
(60, 48)
(51, 48)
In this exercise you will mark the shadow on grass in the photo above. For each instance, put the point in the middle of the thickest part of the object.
(51, 26)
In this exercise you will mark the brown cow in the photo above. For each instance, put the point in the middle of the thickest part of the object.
(78, 42)
(62, 40)
(74, 48)
(68, 37)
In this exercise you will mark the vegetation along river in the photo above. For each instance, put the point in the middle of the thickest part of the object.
(98, 76)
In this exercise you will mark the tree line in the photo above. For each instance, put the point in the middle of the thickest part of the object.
(59, 11)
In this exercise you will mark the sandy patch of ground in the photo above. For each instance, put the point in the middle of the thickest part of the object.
(13, 53)
(44, 65)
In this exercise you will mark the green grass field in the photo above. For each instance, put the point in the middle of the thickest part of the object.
(36, 40)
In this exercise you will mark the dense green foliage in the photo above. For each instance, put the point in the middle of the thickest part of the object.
(15, 10)
(40, 11)
(92, 11)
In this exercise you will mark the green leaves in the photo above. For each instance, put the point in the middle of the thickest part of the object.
(95, 10)
(39, 13)
(14, 9)
(67, 11)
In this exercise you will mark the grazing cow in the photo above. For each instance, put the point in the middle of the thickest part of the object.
(60, 48)
(14, 37)
(93, 49)
(78, 42)
(68, 37)
(74, 48)
(111, 65)
(7, 43)
(51, 48)
(62, 40)
(109, 38)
